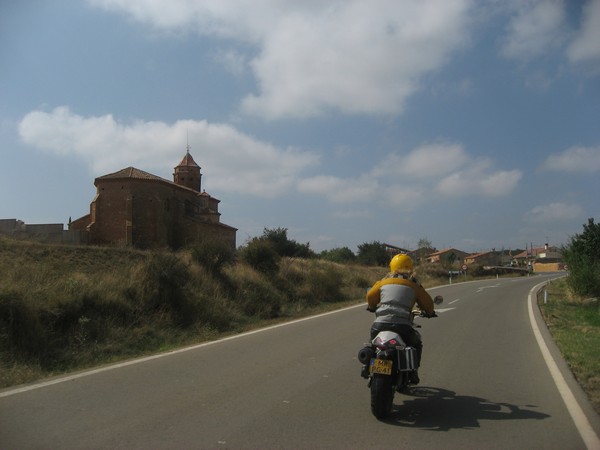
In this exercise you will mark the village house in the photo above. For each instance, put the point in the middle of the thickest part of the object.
(540, 259)
(491, 258)
(449, 257)
(393, 250)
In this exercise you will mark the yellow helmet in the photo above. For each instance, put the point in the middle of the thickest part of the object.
(401, 263)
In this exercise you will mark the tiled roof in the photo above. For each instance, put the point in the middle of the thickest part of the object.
(137, 174)
(132, 172)
(188, 161)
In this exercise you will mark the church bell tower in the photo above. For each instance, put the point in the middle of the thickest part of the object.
(187, 173)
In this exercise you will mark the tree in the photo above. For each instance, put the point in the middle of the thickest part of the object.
(284, 246)
(261, 255)
(448, 262)
(339, 255)
(424, 249)
(373, 254)
(213, 254)
(424, 243)
(582, 256)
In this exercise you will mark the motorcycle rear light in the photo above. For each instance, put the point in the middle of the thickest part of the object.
(393, 342)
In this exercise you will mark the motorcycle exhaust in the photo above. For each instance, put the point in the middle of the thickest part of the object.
(365, 354)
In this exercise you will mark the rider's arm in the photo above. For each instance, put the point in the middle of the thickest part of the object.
(373, 297)
(424, 300)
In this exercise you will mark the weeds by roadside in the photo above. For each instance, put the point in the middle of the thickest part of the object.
(67, 308)
(574, 323)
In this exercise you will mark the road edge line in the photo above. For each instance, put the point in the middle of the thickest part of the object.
(86, 373)
(583, 425)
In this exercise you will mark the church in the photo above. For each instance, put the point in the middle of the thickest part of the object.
(136, 208)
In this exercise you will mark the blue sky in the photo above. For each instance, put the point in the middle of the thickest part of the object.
(474, 125)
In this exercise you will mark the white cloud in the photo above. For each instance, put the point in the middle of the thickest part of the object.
(554, 212)
(585, 47)
(426, 161)
(233, 61)
(340, 190)
(478, 179)
(536, 28)
(575, 159)
(313, 56)
(232, 161)
(405, 181)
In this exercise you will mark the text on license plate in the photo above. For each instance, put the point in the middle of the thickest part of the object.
(381, 366)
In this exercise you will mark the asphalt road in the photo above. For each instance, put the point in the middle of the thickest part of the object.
(484, 385)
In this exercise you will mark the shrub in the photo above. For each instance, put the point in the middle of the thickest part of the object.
(256, 296)
(212, 254)
(373, 254)
(285, 246)
(20, 327)
(260, 255)
(325, 286)
(339, 255)
(164, 287)
(582, 256)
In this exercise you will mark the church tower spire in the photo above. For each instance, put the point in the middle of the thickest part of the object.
(187, 172)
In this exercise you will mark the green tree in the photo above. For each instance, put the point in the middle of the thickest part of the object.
(373, 254)
(261, 255)
(284, 246)
(424, 243)
(449, 261)
(339, 255)
(213, 254)
(582, 256)
(424, 249)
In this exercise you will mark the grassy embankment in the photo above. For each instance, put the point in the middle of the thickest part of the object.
(69, 308)
(65, 308)
(575, 326)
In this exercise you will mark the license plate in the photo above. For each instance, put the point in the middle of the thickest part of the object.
(381, 366)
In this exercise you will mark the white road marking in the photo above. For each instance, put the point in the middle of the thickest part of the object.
(587, 433)
(76, 376)
(454, 301)
(487, 287)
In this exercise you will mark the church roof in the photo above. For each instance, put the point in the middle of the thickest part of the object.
(188, 161)
(137, 174)
(131, 172)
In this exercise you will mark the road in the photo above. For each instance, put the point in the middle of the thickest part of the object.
(484, 385)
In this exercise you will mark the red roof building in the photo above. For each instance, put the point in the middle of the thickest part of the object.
(133, 207)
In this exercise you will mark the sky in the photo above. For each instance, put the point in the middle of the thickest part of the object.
(469, 124)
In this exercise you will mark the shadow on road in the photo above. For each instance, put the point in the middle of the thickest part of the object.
(442, 410)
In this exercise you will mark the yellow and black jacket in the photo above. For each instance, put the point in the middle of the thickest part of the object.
(394, 297)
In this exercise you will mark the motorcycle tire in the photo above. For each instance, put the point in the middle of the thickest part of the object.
(382, 396)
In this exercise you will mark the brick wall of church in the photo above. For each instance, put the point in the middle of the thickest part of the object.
(149, 213)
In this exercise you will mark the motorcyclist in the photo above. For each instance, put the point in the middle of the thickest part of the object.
(393, 298)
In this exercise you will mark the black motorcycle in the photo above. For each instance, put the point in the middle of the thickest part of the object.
(390, 365)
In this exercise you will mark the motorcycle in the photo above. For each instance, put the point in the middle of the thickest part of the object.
(390, 365)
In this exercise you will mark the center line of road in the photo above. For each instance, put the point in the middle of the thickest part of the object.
(454, 301)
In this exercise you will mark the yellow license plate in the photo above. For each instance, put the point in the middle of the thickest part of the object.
(381, 366)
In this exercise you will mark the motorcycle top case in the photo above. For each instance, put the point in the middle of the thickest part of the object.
(407, 359)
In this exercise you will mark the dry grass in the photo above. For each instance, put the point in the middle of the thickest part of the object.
(65, 308)
(575, 326)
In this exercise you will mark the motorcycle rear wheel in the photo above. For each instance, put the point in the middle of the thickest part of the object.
(382, 396)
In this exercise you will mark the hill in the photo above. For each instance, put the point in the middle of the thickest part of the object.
(64, 308)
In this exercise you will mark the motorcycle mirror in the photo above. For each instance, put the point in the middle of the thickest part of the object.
(438, 299)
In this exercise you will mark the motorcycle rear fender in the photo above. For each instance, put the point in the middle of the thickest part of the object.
(385, 339)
